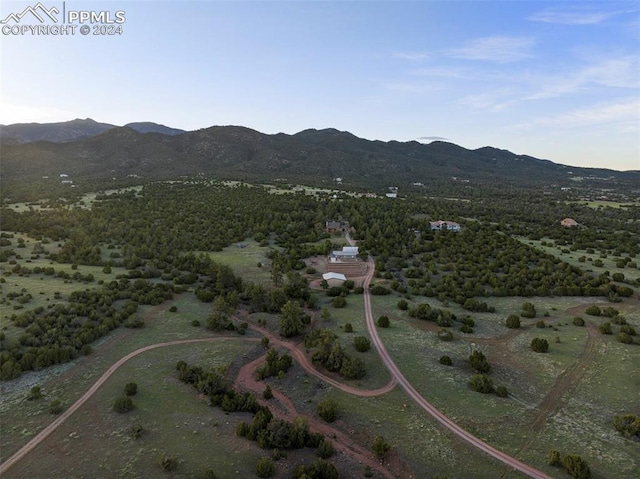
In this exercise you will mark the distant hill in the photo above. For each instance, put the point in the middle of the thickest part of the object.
(56, 132)
(310, 156)
(72, 130)
(149, 127)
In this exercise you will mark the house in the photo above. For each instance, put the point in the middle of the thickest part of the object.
(330, 275)
(348, 252)
(569, 222)
(444, 225)
(336, 226)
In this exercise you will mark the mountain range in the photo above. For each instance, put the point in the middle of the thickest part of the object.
(87, 149)
(73, 130)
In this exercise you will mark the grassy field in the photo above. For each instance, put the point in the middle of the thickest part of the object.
(608, 263)
(595, 378)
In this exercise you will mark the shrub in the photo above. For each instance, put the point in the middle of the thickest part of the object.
(169, 463)
(380, 447)
(578, 321)
(339, 302)
(576, 466)
(553, 458)
(267, 393)
(265, 468)
(325, 450)
(55, 407)
(328, 409)
(131, 389)
(502, 391)
(513, 322)
(446, 360)
(541, 324)
(605, 328)
(123, 404)
(539, 345)
(481, 383)
(593, 310)
(403, 305)
(361, 343)
(348, 328)
(173, 309)
(479, 362)
(624, 338)
(445, 335)
(195, 323)
(383, 321)
(34, 393)
(628, 425)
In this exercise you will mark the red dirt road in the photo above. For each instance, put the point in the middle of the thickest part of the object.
(441, 418)
(42, 435)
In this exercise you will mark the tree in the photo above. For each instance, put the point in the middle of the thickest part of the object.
(481, 383)
(479, 362)
(380, 447)
(131, 389)
(539, 345)
(576, 466)
(327, 409)
(291, 319)
(513, 322)
(383, 321)
(123, 404)
(361, 343)
(265, 468)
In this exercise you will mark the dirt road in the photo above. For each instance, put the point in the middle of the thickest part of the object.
(441, 418)
(42, 435)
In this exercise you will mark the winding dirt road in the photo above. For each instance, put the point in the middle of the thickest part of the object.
(441, 418)
(42, 435)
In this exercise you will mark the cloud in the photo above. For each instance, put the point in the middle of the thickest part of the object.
(500, 49)
(625, 112)
(494, 101)
(616, 72)
(438, 72)
(572, 17)
(413, 56)
(433, 138)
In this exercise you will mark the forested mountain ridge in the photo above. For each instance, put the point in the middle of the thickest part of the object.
(73, 130)
(312, 156)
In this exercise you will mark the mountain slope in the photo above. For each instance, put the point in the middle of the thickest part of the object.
(312, 156)
(56, 132)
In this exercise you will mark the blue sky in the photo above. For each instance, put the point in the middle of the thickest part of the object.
(554, 80)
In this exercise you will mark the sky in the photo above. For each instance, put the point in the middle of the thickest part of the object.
(557, 80)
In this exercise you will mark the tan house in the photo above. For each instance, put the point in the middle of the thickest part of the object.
(569, 222)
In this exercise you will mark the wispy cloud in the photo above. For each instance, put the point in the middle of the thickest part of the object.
(443, 72)
(572, 16)
(500, 49)
(433, 138)
(617, 72)
(624, 111)
(413, 56)
(494, 101)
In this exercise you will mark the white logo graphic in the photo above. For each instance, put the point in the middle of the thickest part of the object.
(16, 17)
